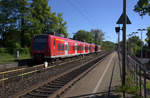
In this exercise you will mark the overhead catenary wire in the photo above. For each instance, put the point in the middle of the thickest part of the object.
(84, 10)
(82, 13)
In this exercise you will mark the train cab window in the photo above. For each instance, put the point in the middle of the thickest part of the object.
(40, 42)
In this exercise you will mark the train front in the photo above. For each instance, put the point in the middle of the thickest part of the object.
(39, 50)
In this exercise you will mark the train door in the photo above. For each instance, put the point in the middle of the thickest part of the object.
(83, 48)
(66, 48)
(75, 48)
(54, 47)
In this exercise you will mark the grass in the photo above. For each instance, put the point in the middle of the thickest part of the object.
(130, 87)
(8, 58)
(148, 86)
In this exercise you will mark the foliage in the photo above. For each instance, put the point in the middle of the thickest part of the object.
(94, 36)
(61, 26)
(84, 36)
(108, 46)
(134, 45)
(142, 7)
(148, 37)
(6, 57)
(130, 86)
(3, 50)
(98, 35)
(20, 20)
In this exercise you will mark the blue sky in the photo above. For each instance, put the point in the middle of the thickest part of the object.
(98, 14)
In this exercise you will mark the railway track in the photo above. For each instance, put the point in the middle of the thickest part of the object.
(39, 66)
(56, 86)
(5, 75)
(38, 76)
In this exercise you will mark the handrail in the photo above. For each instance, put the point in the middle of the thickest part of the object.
(15, 70)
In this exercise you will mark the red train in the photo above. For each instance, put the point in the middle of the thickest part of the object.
(48, 46)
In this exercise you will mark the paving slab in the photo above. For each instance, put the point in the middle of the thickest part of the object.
(98, 79)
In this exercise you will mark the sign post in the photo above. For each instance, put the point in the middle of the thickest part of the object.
(124, 20)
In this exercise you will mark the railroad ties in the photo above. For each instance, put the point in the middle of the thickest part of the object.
(53, 88)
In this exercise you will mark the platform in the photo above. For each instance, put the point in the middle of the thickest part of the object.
(99, 79)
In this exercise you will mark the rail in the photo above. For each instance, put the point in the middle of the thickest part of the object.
(60, 83)
(22, 73)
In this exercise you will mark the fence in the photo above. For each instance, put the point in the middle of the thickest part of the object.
(139, 73)
(22, 72)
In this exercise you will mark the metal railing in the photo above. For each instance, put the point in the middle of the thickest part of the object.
(22, 72)
(139, 74)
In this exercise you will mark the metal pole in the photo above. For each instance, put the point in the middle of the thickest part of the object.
(144, 84)
(124, 47)
(140, 80)
(119, 41)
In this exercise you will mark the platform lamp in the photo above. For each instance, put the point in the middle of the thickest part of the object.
(117, 29)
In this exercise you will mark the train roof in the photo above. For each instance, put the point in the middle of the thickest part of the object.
(67, 39)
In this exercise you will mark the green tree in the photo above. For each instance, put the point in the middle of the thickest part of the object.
(142, 7)
(84, 36)
(108, 46)
(20, 20)
(8, 19)
(98, 35)
(134, 45)
(38, 17)
(61, 26)
(148, 37)
(23, 12)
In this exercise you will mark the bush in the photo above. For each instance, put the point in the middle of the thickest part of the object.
(3, 50)
(24, 50)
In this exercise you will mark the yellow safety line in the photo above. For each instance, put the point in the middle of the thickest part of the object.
(32, 67)
(18, 69)
(3, 79)
(11, 71)
(28, 73)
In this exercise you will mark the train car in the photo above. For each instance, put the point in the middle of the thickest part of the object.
(48, 46)
(92, 48)
(97, 48)
(39, 47)
(87, 48)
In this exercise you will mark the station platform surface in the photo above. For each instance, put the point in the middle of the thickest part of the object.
(98, 79)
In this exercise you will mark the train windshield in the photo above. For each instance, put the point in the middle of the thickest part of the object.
(39, 42)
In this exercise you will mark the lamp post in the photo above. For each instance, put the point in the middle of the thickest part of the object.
(141, 40)
(117, 29)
